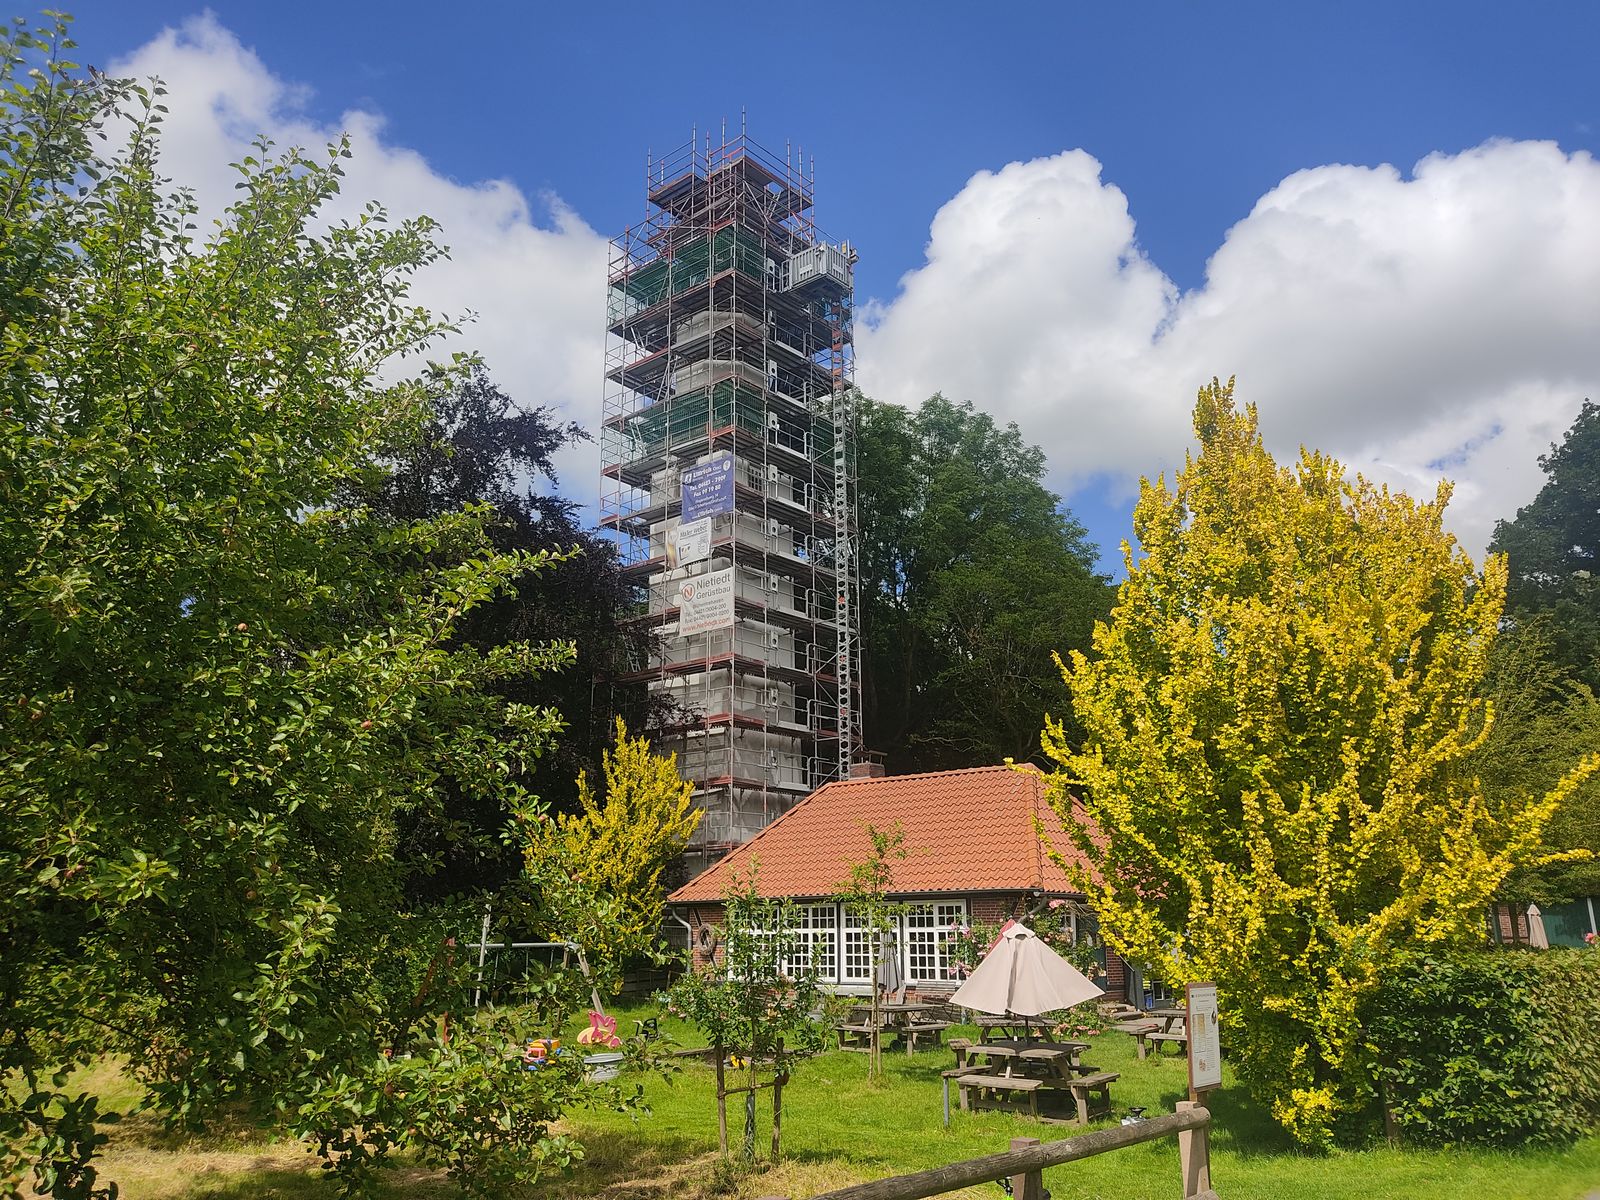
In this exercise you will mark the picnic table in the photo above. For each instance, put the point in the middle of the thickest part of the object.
(900, 1019)
(1165, 1026)
(992, 1029)
(1017, 1072)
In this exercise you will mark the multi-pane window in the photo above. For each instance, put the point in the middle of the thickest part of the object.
(929, 928)
(857, 947)
(814, 940)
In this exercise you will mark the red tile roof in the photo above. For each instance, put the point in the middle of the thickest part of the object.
(965, 831)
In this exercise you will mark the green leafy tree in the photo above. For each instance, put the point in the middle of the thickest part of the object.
(972, 575)
(1552, 549)
(1544, 721)
(1543, 677)
(760, 999)
(866, 895)
(478, 446)
(1274, 719)
(602, 864)
(225, 691)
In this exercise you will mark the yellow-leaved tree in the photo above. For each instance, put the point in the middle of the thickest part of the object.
(601, 866)
(1275, 719)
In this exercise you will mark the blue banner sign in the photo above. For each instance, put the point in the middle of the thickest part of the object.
(708, 488)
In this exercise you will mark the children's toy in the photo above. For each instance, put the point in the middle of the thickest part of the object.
(602, 1031)
(538, 1051)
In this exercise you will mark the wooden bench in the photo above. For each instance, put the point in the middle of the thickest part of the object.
(911, 1032)
(1157, 1040)
(854, 1037)
(973, 1088)
(1092, 1094)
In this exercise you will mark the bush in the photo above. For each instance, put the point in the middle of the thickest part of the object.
(1490, 1047)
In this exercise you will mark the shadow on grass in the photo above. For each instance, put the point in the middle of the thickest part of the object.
(639, 1164)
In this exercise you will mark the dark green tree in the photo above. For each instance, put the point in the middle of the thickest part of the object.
(1552, 548)
(972, 574)
(481, 448)
(1546, 668)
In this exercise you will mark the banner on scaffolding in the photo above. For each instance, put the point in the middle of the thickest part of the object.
(705, 602)
(689, 543)
(708, 488)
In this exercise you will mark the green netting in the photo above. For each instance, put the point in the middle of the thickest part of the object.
(688, 415)
(693, 263)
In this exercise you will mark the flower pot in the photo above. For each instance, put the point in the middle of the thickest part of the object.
(601, 1067)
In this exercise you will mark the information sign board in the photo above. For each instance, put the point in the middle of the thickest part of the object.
(1205, 1042)
(708, 488)
(705, 602)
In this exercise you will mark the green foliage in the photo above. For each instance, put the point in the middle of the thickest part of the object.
(55, 1136)
(225, 689)
(477, 446)
(600, 868)
(972, 574)
(1543, 685)
(1552, 549)
(1490, 1047)
(1544, 720)
(1275, 717)
(461, 1101)
(866, 895)
(759, 999)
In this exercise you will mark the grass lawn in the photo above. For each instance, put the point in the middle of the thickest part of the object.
(838, 1129)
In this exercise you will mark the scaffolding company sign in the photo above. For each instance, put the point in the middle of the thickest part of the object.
(705, 602)
(708, 488)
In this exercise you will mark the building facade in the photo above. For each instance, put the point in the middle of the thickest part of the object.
(973, 855)
(728, 460)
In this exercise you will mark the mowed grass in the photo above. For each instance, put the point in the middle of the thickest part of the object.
(839, 1128)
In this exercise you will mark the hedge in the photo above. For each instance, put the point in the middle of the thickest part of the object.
(1490, 1047)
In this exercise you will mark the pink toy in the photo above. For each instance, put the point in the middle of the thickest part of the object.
(602, 1031)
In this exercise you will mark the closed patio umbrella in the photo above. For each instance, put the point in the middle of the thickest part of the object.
(889, 978)
(1537, 937)
(1022, 976)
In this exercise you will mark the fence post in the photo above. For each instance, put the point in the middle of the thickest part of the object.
(1194, 1154)
(722, 1104)
(1030, 1184)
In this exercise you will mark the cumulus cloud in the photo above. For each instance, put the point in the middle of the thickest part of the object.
(1441, 323)
(532, 270)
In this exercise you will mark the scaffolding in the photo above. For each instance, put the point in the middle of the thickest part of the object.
(729, 341)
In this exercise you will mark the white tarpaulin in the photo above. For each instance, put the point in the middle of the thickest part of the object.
(705, 602)
(1023, 976)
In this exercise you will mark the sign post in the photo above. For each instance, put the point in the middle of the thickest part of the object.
(1205, 1042)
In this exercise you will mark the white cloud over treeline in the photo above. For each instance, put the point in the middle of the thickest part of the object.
(531, 269)
(1441, 321)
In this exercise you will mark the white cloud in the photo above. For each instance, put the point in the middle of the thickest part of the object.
(1442, 323)
(533, 272)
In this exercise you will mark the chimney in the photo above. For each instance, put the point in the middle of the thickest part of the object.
(872, 768)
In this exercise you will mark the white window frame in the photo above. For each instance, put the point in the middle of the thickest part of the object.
(925, 941)
(816, 928)
(855, 945)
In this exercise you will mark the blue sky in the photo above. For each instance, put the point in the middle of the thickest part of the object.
(1190, 119)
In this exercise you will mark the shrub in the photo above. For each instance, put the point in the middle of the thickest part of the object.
(1490, 1047)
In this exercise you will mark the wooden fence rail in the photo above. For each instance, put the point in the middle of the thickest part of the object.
(1024, 1163)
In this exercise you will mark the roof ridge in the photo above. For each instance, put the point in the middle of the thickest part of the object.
(923, 775)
